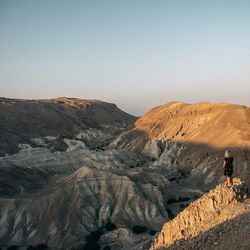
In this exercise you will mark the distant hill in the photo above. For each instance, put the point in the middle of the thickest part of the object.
(21, 120)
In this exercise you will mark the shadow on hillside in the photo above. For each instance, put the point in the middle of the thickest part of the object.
(194, 155)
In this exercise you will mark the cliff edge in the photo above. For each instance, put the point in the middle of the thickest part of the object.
(220, 219)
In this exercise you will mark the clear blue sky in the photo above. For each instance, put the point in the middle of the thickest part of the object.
(135, 53)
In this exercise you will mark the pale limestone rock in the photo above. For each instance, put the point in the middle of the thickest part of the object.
(24, 146)
(40, 142)
(154, 148)
(74, 144)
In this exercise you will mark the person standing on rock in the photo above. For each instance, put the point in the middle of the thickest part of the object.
(228, 168)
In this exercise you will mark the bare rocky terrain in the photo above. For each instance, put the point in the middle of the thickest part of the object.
(82, 174)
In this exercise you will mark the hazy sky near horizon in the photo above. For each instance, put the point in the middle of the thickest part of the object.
(135, 53)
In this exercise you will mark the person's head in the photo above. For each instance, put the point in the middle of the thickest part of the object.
(228, 154)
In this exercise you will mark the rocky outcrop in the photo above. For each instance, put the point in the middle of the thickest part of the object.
(212, 209)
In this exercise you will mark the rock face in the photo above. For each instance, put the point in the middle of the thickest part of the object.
(211, 210)
(23, 120)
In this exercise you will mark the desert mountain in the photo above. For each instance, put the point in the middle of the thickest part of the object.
(27, 121)
(219, 219)
(215, 125)
(193, 136)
